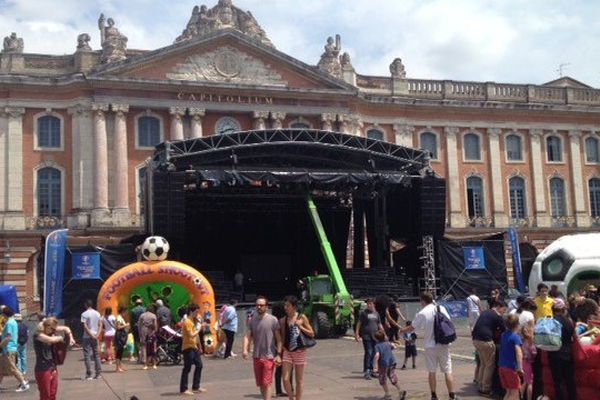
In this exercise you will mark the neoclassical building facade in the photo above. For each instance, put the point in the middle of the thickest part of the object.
(76, 130)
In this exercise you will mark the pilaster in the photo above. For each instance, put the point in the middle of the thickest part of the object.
(121, 212)
(260, 118)
(344, 122)
(82, 167)
(404, 134)
(100, 214)
(13, 217)
(197, 115)
(457, 219)
(277, 119)
(581, 216)
(541, 213)
(177, 114)
(327, 120)
(500, 217)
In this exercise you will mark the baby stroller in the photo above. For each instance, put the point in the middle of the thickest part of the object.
(169, 346)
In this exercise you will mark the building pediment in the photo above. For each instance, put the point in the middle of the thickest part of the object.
(224, 57)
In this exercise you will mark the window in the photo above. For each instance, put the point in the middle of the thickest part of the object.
(516, 188)
(429, 143)
(148, 131)
(375, 134)
(557, 197)
(514, 150)
(49, 192)
(48, 132)
(472, 147)
(594, 186)
(591, 150)
(475, 197)
(554, 149)
(300, 125)
(227, 125)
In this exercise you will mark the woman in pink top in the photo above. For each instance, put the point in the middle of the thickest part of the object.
(529, 352)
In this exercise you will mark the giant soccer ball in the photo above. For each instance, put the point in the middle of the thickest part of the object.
(155, 248)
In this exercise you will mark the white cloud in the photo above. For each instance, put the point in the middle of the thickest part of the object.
(483, 40)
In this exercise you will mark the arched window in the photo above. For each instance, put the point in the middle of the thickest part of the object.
(48, 132)
(591, 150)
(429, 143)
(49, 192)
(475, 197)
(594, 186)
(516, 188)
(554, 148)
(375, 134)
(300, 125)
(514, 150)
(557, 197)
(148, 131)
(227, 125)
(472, 147)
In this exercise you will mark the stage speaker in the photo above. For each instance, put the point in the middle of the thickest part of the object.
(432, 201)
(168, 206)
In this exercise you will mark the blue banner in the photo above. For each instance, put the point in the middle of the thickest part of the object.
(516, 258)
(456, 309)
(473, 257)
(85, 265)
(54, 271)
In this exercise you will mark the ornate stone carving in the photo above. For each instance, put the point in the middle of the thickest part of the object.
(83, 42)
(277, 119)
(327, 120)
(197, 113)
(99, 109)
(120, 109)
(259, 119)
(494, 132)
(177, 112)
(114, 44)
(404, 129)
(222, 16)
(13, 44)
(226, 64)
(451, 131)
(397, 69)
(536, 133)
(330, 59)
(575, 134)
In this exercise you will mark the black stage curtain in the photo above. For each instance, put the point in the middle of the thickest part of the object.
(456, 281)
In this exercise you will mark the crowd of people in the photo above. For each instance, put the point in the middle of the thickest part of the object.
(508, 361)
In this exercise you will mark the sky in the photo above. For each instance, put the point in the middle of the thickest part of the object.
(509, 41)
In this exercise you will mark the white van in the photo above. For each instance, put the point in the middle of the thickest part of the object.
(570, 262)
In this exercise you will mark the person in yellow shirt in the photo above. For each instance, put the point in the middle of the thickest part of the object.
(543, 302)
(191, 352)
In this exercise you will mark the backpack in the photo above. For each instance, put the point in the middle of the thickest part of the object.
(547, 334)
(443, 329)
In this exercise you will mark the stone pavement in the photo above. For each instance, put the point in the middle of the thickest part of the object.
(333, 372)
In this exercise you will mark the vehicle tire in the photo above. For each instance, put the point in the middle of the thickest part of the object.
(322, 325)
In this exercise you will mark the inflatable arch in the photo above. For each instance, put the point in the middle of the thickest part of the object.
(177, 283)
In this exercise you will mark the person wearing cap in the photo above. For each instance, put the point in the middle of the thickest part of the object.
(543, 302)
(23, 338)
(562, 364)
(138, 310)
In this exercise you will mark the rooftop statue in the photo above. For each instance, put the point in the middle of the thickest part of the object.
(397, 69)
(13, 44)
(83, 42)
(330, 59)
(114, 44)
(222, 16)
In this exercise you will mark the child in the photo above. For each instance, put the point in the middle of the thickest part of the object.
(130, 346)
(511, 358)
(529, 353)
(410, 347)
(384, 364)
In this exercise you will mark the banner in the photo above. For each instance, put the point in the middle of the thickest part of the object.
(456, 309)
(473, 257)
(54, 270)
(516, 258)
(85, 265)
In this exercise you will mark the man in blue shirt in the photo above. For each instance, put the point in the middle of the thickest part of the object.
(229, 324)
(8, 344)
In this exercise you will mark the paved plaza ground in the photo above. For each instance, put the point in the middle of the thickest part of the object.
(333, 372)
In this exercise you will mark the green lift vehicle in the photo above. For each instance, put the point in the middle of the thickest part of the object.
(327, 303)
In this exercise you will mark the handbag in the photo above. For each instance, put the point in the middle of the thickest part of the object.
(304, 341)
(59, 350)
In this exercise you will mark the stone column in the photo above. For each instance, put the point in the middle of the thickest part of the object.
(177, 114)
(498, 211)
(277, 120)
(327, 120)
(197, 114)
(404, 134)
(260, 118)
(539, 183)
(355, 125)
(344, 122)
(121, 212)
(13, 216)
(581, 217)
(3, 158)
(82, 166)
(100, 213)
(458, 219)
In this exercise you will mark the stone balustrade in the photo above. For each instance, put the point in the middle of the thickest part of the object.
(501, 92)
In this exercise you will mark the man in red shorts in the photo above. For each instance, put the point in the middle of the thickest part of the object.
(263, 331)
